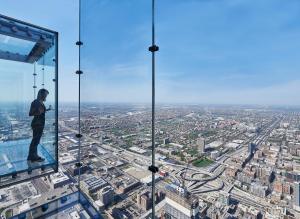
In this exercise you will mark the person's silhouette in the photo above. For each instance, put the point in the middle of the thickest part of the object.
(37, 110)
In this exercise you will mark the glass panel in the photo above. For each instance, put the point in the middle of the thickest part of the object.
(28, 133)
(227, 74)
(116, 109)
(15, 45)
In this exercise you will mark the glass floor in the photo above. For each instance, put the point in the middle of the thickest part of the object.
(68, 207)
(13, 157)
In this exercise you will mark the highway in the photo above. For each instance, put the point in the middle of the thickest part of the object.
(214, 172)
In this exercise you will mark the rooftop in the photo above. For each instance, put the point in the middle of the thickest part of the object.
(63, 207)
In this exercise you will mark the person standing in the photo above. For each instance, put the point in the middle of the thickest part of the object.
(37, 110)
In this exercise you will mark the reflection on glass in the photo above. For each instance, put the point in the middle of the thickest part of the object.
(27, 97)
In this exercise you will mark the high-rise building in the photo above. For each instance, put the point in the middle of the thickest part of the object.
(297, 195)
(144, 199)
(106, 195)
(181, 206)
(201, 145)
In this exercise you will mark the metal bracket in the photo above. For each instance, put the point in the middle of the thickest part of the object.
(79, 43)
(45, 207)
(153, 48)
(78, 135)
(153, 169)
(78, 164)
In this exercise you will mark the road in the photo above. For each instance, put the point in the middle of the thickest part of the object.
(214, 172)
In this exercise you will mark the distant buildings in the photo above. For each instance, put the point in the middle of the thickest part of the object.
(259, 190)
(214, 213)
(74, 170)
(59, 179)
(106, 195)
(293, 176)
(92, 184)
(127, 185)
(214, 155)
(201, 145)
(148, 179)
(244, 178)
(231, 171)
(249, 212)
(282, 187)
(179, 206)
(297, 196)
(144, 199)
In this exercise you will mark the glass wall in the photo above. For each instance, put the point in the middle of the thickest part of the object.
(28, 98)
(28, 188)
(116, 104)
(227, 112)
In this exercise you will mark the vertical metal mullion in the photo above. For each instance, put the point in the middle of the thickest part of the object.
(43, 72)
(34, 80)
(56, 100)
(79, 99)
(153, 110)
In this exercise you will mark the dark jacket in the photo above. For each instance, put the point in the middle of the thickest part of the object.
(37, 109)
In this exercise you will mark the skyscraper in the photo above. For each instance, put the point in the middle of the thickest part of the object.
(106, 195)
(297, 195)
(201, 145)
(179, 206)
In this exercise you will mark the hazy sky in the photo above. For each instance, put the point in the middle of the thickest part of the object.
(211, 51)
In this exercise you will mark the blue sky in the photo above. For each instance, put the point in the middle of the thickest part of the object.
(211, 51)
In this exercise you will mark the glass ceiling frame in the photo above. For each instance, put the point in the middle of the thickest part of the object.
(23, 31)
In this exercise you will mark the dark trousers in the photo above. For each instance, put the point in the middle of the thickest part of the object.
(36, 137)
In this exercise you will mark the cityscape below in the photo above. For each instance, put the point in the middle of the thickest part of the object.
(215, 161)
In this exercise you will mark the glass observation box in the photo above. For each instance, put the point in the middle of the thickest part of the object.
(28, 99)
